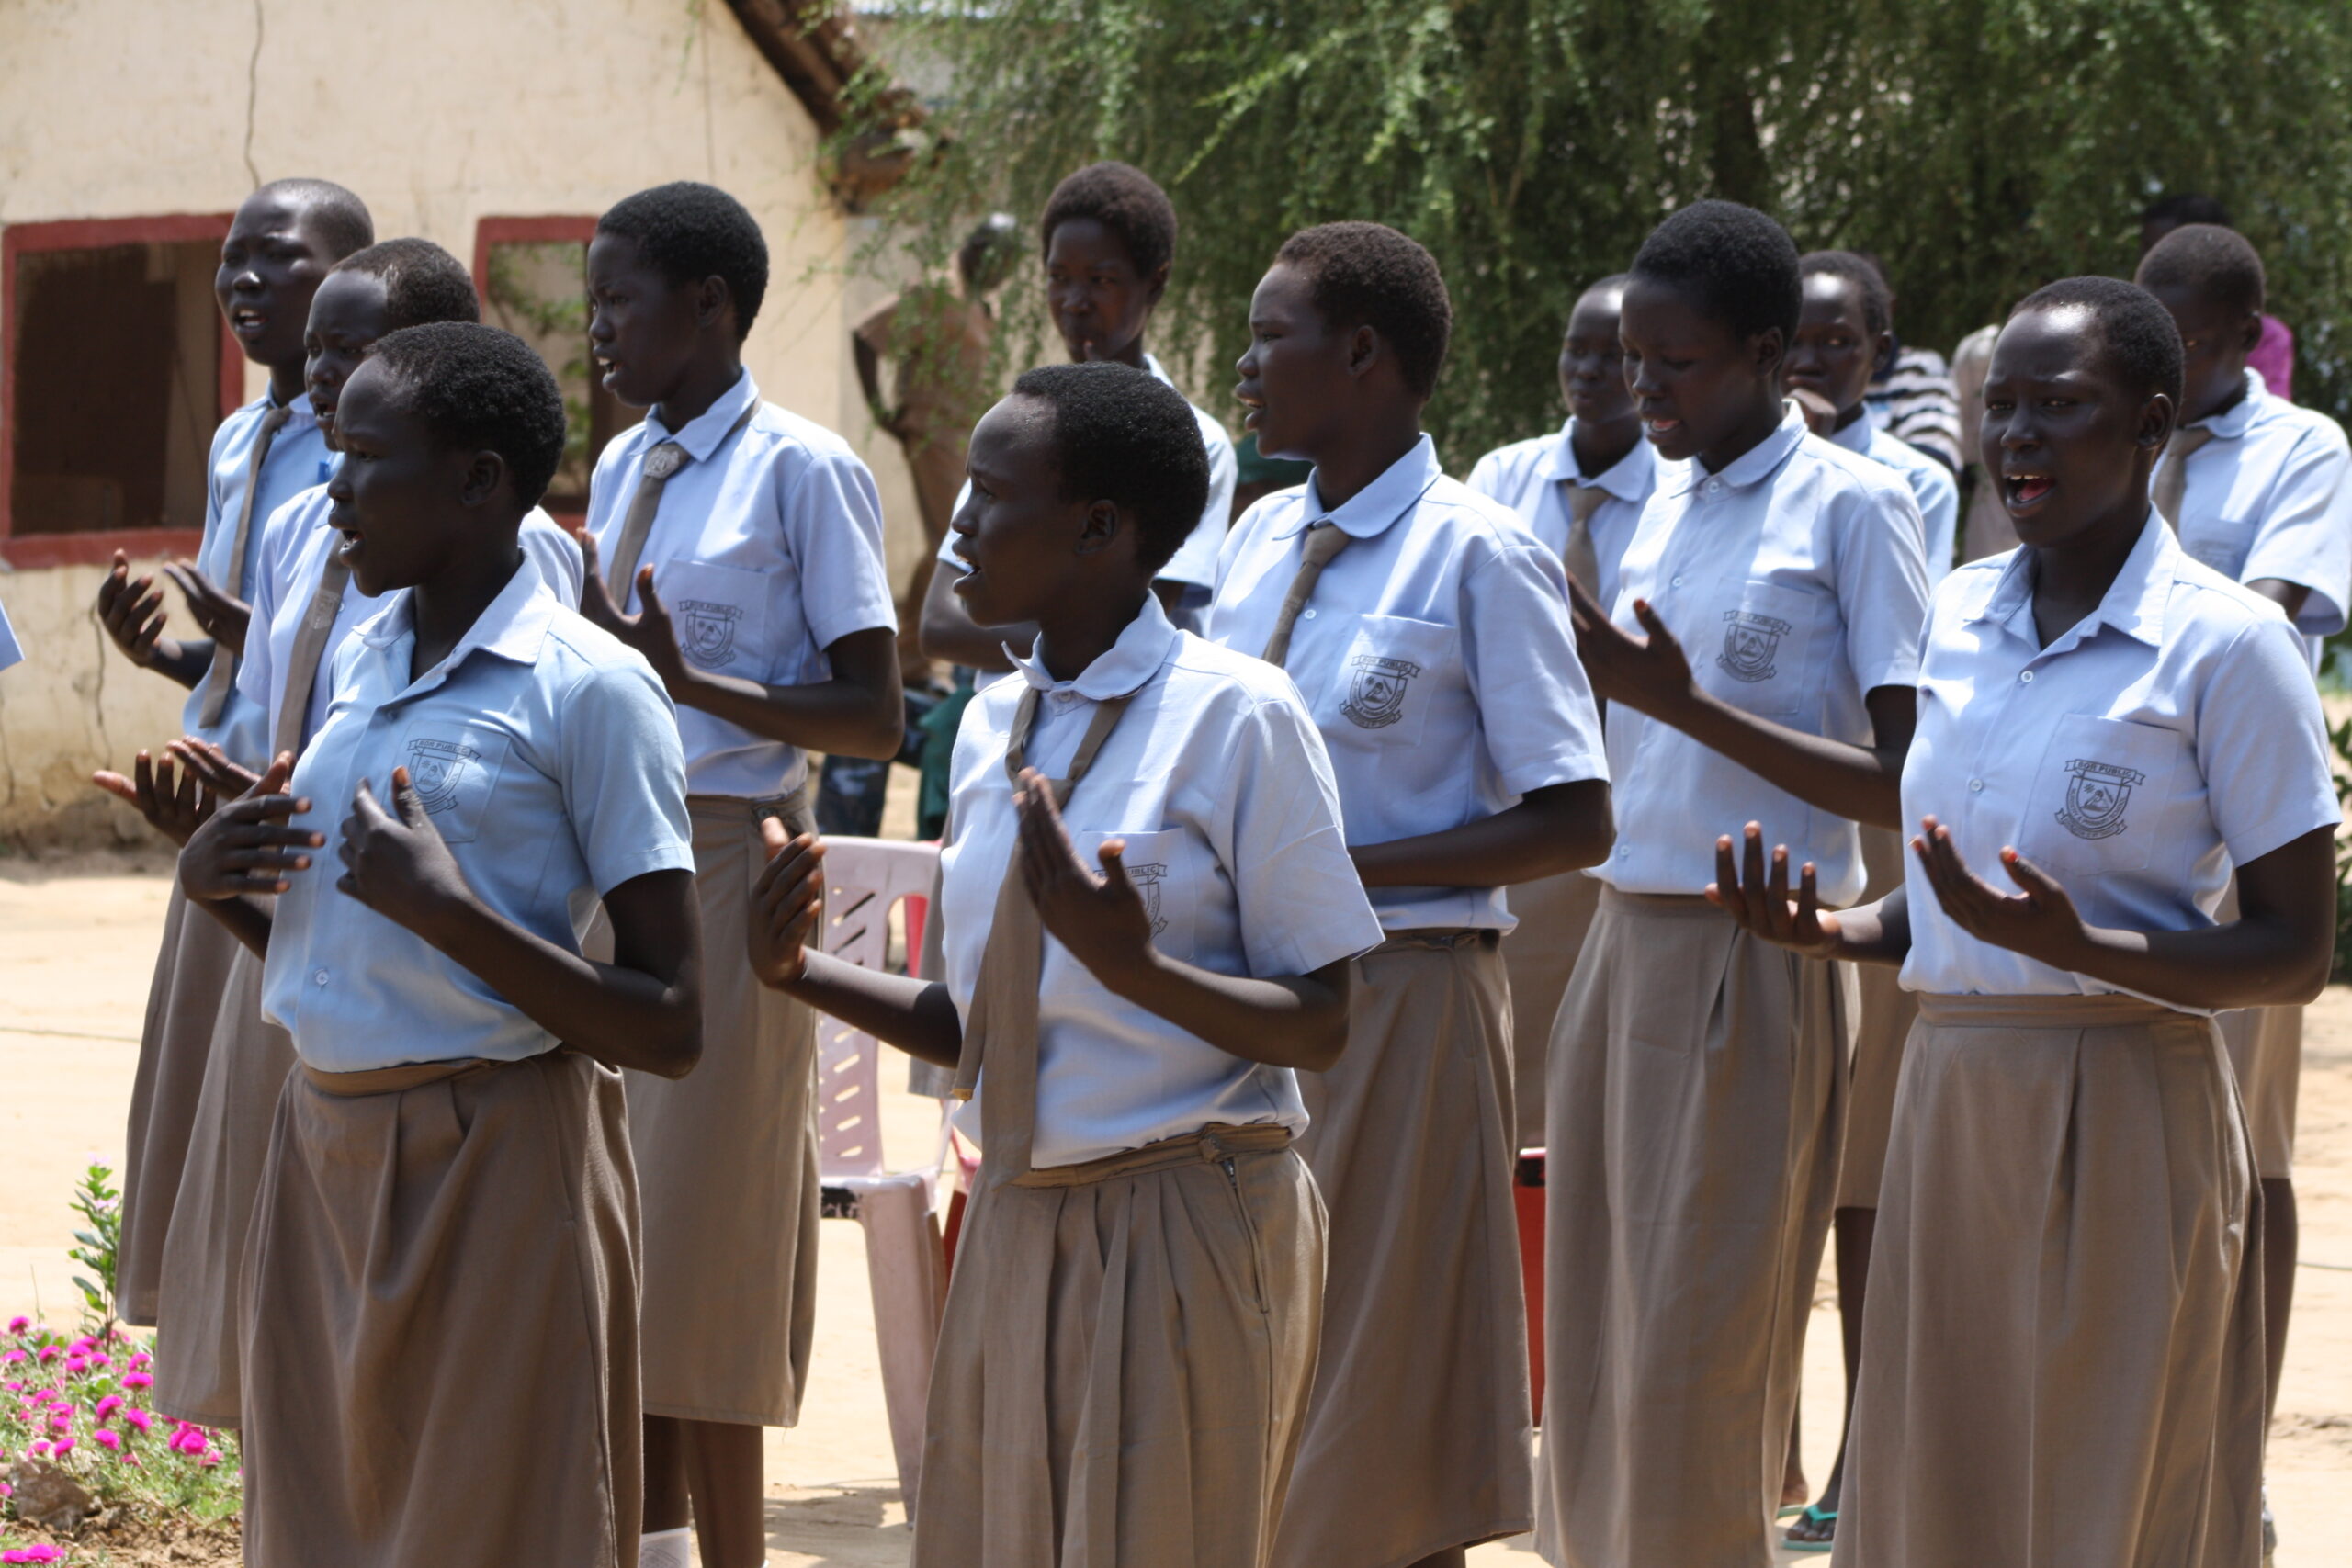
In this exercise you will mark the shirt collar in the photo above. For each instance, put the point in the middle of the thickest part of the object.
(1856, 435)
(1759, 462)
(2133, 604)
(1141, 648)
(513, 628)
(1630, 477)
(2235, 420)
(1371, 509)
(703, 433)
(300, 414)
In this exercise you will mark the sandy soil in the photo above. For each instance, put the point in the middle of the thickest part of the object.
(77, 941)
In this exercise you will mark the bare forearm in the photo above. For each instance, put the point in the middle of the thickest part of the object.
(182, 659)
(1876, 933)
(248, 919)
(2248, 962)
(621, 1017)
(838, 715)
(1288, 1020)
(1861, 782)
(916, 1016)
(1558, 829)
(2288, 596)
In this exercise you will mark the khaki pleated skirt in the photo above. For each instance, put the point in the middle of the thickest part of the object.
(1418, 1436)
(1123, 1365)
(1695, 1108)
(197, 1342)
(2061, 1352)
(183, 1001)
(726, 1165)
(440, 1353)
(1554, 915)
(2266, 1047)
(1881, 1023)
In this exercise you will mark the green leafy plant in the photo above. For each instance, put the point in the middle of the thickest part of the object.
(98, 1247)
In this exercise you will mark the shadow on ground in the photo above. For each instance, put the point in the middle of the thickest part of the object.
(852, 1525)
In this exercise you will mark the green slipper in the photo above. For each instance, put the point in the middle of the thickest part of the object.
(1813, 1515)
(1789, 1510)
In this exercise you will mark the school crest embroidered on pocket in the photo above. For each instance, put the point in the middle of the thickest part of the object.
(437, 768)
(1752, 645)
(1146, 879)
(709, 631)
(1376, 688)
(2096, 797)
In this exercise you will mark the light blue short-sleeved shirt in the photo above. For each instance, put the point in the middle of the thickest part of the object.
(546, 753)
(2171, 736)
(1195, 562)
(1217, 781)
(1435, 656)
(1532, 477)
(1795, 582)
(294, 552)
(767, 550)
(11, 651)
(299, 459)
(2270, 495)
(1934, 490)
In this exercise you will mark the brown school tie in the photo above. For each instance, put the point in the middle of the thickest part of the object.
(2172, 479)
(309, 649)
(1324, 540)
(663, 459)
(1577, 555)
(219, 675)
(1001, 1031)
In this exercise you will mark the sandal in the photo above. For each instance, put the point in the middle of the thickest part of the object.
(1817, 1517)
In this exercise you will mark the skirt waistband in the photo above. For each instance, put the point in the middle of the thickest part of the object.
(2107, 1010)
(1436, 939)
(1682, 905)
(393, 1080)
(796, 803)
(1212, 1144)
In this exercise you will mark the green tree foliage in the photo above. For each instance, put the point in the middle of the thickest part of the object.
(1979, 147)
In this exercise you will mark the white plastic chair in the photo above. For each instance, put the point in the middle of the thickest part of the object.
(864, 880)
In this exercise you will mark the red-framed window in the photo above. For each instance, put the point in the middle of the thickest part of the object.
(532, 275)
(115, 369)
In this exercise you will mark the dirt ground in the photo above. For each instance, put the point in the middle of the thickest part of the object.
(77, 941)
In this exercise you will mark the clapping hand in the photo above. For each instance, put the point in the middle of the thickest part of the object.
(787, 899)
(2040, 921)
(1760, 901)
(394, 861)
(208, 762)
(1102, 920)
(1649, 674)
(649, 631)
(176, 800)
(245, 846)
(131, 611)
(220, 614)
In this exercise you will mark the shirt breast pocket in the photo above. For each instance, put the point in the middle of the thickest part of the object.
(1760, 652)
(2222, 543)
(454, 769)
(2099, 798)
(1162, 878)
(720, 613)
(1390, 668)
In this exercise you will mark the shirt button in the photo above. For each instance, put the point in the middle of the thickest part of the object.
(1678, 582)
(2026, 677)
(319, 978)
(1625, 850)
(1976, 786)
(1307, 614)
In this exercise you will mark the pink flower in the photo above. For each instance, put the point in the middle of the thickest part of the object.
(138, 1379)
(41, 1450)
(100, 1359)
(19, 1325)
(135, 1416)
(109, 1405)
(107, 1439)
(64, 1445)
(48, 1354)
(83, 1345)
(140, 1359)
(33, 1554)
(11, 1357)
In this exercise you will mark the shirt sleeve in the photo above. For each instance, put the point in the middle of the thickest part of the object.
(555, 555)
(10, 651)
(1301, 904)
(625, 775)
(2262, 743)
(1487, 477)
(2304, 535)
(1535, 705)
(1882, 586)
(1937, 497)
(1194, 561)
(832, 518)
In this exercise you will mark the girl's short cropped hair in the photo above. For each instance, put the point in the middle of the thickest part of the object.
(480, 389)
(690, 231)
(1123, 200)
(422, 282)
(2135, 331)
(1368, 275)
(1878, 300)
(1123, 435)
(1738, 265)
(2219, 264)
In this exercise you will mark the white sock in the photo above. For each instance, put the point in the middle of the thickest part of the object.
(665, 1548)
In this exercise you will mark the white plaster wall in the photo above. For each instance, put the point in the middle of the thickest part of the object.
(438, 112)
